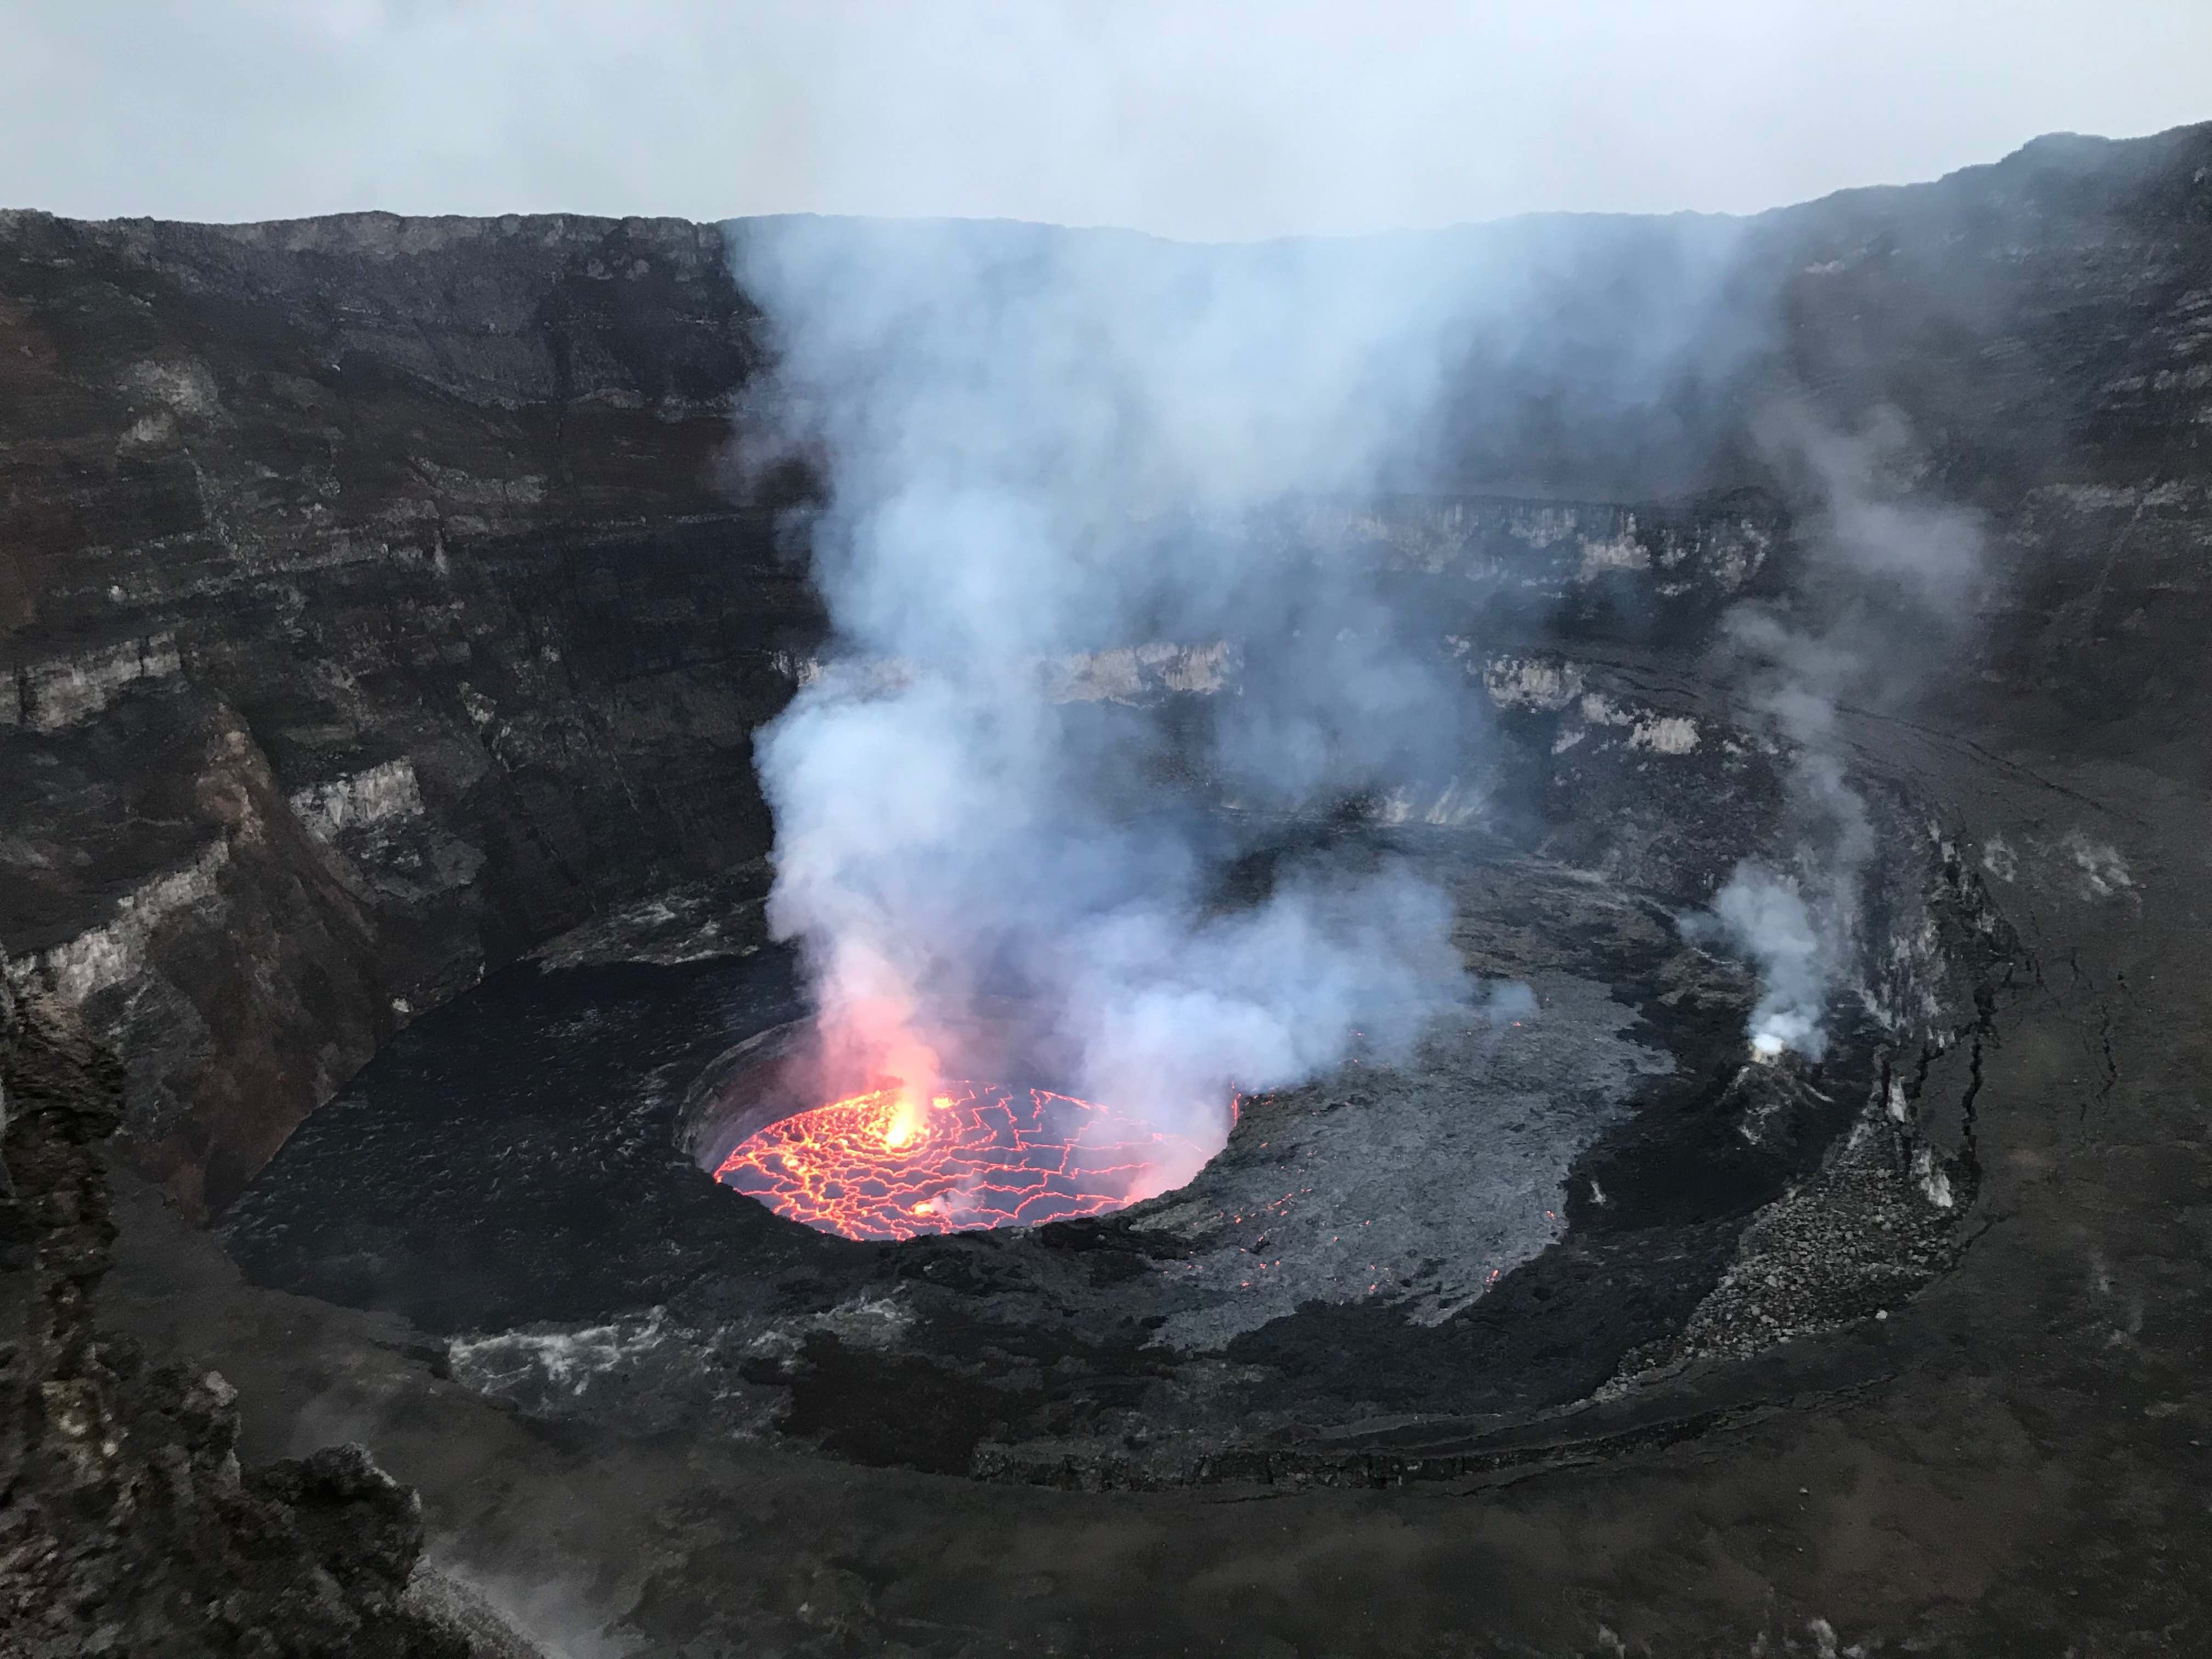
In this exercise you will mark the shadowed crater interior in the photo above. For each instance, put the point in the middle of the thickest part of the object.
(1397, 1267)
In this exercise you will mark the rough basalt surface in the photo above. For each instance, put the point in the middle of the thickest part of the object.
(127, 1525)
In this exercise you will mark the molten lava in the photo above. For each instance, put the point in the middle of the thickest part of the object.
(885, 1165)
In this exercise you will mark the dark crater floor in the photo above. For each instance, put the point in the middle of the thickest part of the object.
(1522, 1241)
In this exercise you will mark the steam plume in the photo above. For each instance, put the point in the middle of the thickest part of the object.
(1886, 582)
(1040, 443)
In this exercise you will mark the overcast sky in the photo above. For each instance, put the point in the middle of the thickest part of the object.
(1196, 119)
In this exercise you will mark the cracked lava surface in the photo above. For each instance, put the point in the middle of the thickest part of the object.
(881, 1165)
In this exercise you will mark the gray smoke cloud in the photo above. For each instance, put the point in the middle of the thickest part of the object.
(1042, 443)
(1887, 582)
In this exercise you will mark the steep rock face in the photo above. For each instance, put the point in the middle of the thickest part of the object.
(371, 614)
(2046, 326)
(126, 1524)
(374, 607)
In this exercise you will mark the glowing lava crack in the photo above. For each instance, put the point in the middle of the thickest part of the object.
(881, 1166)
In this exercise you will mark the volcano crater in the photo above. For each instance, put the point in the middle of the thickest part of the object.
(1582, 1207)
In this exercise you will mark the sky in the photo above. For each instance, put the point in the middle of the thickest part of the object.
(1204, 119)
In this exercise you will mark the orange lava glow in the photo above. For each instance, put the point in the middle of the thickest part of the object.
(886, 1165)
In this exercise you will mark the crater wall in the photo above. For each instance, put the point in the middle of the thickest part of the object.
(377, 605)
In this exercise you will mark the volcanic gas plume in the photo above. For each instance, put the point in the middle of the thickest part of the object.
(1885, 595)
(1034, 447)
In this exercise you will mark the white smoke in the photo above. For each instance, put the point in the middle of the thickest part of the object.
(1887, 584)
(1039, 443)
(1763, 915)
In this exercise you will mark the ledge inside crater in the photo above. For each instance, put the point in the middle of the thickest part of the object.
(1551, 1196)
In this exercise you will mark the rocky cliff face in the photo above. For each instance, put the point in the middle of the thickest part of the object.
(374, 607)
(127, 1525)
(371, 613)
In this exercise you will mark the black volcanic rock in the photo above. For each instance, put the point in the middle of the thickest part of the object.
(406, 537)
(376, 608)
(126, 1525)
